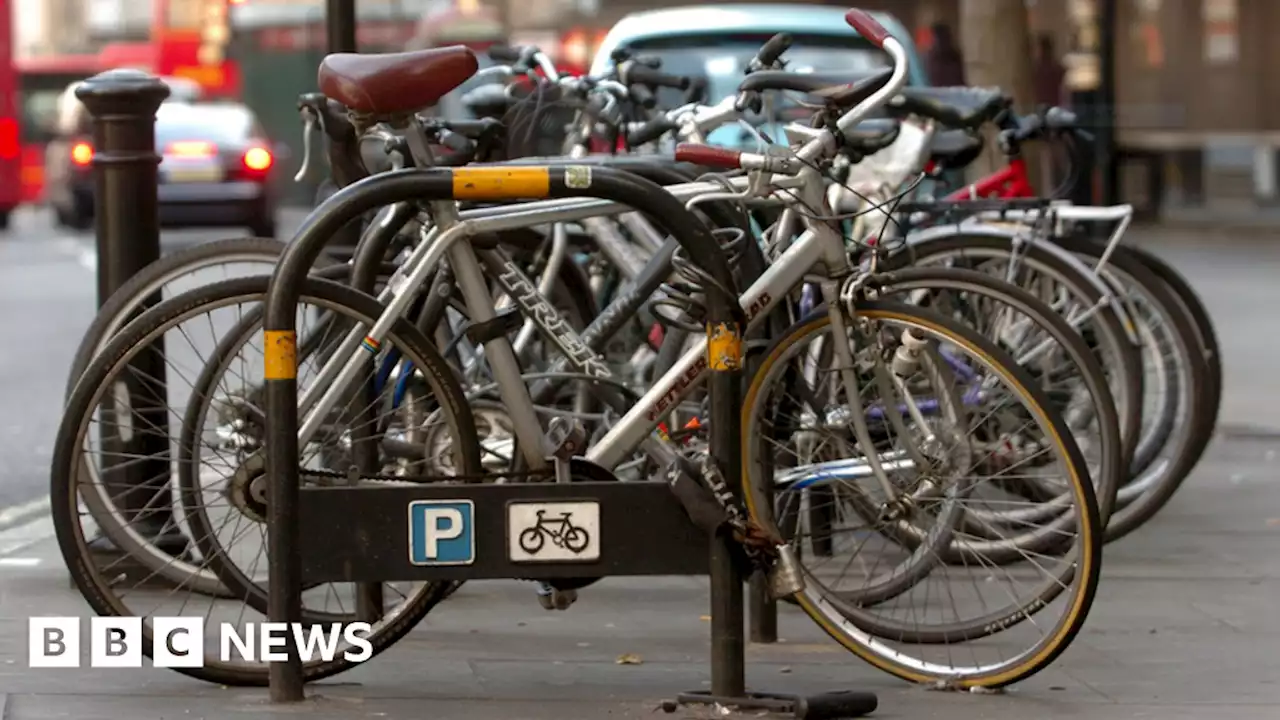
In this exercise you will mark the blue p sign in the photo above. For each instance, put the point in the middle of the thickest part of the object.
(441, 532)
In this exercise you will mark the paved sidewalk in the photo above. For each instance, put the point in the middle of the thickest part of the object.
(1184, 627)
(1235, 276)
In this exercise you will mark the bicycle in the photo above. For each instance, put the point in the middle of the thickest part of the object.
(561, 530)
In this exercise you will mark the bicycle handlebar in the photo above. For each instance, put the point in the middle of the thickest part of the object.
(630, 72)
(651, 131)
(867, 26)
(772, 50)
(726, 159)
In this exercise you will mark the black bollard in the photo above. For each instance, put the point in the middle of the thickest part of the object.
(135, 450)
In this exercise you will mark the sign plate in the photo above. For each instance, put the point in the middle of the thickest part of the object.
(553, 531)
(442, 532)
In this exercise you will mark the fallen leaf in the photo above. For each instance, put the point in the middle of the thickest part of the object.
(628, 659)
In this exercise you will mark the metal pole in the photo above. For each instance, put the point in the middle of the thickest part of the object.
(123, 105)
(340, 25)
(1108, 168)
(340, 37)
(728, 644)
(763, 610)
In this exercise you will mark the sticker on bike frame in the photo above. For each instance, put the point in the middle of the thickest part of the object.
(577, 177)
(501, 183)
(553, 531)
(724, 348)
(280, 355)
(442, 532)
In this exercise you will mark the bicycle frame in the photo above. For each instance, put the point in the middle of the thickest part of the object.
(436, 243)
(1008, 183)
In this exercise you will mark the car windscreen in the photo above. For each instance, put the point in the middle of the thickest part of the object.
(721, 58)
(220, 126)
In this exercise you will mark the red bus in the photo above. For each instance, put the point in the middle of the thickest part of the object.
(10, 121)
(190, 38)
(41, 85)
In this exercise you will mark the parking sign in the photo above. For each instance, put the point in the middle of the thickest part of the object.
(442, 532)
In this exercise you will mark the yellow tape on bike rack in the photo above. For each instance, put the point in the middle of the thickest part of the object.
(724, 348)
(281, 354)
(511, 183)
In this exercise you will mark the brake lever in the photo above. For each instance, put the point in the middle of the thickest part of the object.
(309, 123)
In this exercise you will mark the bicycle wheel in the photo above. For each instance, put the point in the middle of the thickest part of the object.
(1064, 288)
(1198, 316)
(1046, 346)
(166, 277)
(531, 540)
(94, 396)
(869, 632)
(1175, 412)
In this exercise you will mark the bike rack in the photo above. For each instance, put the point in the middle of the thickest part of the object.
(361, 534)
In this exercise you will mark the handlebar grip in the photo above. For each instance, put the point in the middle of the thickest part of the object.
(709, 156)
(649, 76)
(773, 48)
(1060, 118)
(650, 131)
(470, 128)
(867, 26)
(505, 53)
(652, 61)
(642, 96)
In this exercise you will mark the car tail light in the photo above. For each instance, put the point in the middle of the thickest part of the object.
(191, 149)
(82, 154)
(258, 159)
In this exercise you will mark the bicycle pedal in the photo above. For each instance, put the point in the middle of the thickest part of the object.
(785, 577)
(552, 599)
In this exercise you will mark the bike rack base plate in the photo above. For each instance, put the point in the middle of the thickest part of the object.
(825, 706)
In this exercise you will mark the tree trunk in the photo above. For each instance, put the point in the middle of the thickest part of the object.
(995, 38)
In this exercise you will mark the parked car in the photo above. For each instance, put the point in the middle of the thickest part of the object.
(216, 170)
(718, 41)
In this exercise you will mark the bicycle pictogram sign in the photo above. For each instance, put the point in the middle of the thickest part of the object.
(559, 529)
(562, 531)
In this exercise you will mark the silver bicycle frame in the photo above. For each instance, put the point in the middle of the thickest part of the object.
(343, 368)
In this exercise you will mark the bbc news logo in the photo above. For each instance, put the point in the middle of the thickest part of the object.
(180, 642)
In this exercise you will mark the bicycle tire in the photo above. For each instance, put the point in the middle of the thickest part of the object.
(1198, 314)
(126, 300)
(1128, 378)
(759, 504)
(1129, 516)
(88, 393)
(130, 298)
